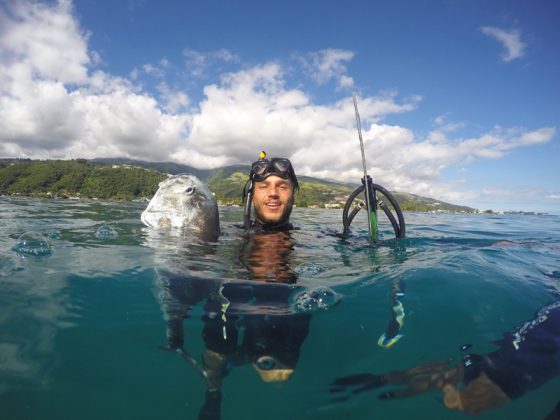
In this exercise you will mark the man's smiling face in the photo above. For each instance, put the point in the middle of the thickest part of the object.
(273, 199)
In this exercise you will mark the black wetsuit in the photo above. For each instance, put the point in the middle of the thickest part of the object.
(259, 227)
(527, 358)
(262, 311)
(258, 308)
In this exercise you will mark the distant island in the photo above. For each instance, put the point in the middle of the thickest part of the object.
(125, 179)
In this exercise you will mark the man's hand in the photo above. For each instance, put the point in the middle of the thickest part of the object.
(414, 381)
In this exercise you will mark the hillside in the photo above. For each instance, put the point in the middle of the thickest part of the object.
(125, 179)
(77, 178)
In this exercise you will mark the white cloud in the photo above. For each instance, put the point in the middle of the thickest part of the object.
(34, 36)
(443, 128)
(54, 104)
(154, 71)
(327, 65)
(510, 39)
(174, 101)
(54, 111)
(198, 62)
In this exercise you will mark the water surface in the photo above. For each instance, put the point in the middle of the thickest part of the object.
(81, 328)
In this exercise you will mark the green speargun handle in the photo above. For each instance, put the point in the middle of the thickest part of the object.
(371, 208)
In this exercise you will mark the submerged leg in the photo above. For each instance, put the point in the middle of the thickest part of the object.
(392, 334)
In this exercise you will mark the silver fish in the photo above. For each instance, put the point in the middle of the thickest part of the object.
(184, 202)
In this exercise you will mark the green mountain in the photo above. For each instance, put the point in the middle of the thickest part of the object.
(125, 179)
(411, 202)
(164, 167)
(58, 178)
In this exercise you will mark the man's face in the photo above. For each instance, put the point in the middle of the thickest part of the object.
(273, 199)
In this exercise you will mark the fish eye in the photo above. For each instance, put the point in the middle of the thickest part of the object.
(266, 362)
(190, 190)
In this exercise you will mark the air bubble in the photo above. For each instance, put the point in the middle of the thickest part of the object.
(322, 298)
(53, 234)
(34, 244)
(106, 232)
(308, 269)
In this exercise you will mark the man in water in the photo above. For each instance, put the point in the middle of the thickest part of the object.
(247, 322)
(273, 336)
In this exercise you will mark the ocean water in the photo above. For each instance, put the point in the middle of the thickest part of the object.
(87, 294)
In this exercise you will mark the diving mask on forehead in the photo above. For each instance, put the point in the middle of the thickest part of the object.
(263, 168)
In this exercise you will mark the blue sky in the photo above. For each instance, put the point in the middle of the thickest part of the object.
(458, 99)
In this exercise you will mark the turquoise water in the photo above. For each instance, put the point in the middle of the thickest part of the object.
(82, 321)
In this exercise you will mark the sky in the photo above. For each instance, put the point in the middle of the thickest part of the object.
(459, 100)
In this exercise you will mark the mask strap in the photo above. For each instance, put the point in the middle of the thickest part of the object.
(248, 202)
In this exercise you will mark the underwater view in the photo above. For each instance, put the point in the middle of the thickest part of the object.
(104, 318)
